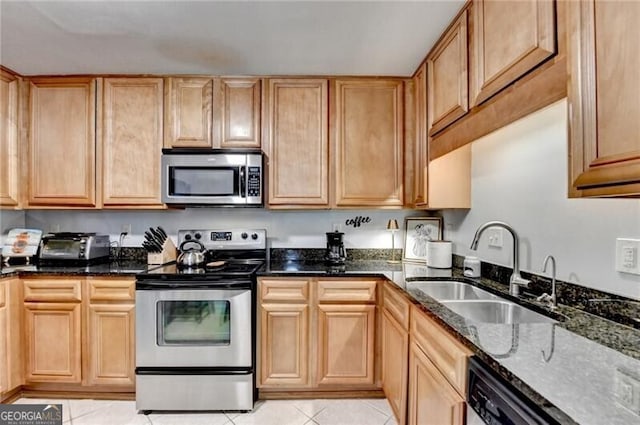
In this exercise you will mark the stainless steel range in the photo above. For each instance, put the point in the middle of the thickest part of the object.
(195, 327)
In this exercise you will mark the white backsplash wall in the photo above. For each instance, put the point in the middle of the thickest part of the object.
(285, 229)
(519, 175)
(10, 219)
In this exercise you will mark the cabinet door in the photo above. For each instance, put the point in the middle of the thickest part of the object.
(239, 113)
(297, 145)
(13, 334)
(395, 368)
(8, 139)
(368, 120)
(62, 142)
(111, 344)
(4, 360)
(346, 344)
(448, 75)
(432, 401)
(509, 39)
(284, 345)
(420, 149)
(188, 113)
(604, 96)
(53, 342)
(132, 141)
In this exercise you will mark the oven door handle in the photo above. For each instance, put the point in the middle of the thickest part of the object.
(240, 284)
(243, 186)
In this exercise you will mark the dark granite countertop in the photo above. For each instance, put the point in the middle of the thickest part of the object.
(114, 268)
(573, 369)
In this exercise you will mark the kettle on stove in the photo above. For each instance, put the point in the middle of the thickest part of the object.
(335, 253)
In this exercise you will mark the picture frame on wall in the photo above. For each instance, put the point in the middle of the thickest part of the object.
(417, 231)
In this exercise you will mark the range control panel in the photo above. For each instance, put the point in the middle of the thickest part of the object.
(226, 239)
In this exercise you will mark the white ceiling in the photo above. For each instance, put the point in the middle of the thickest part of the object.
(220, 38)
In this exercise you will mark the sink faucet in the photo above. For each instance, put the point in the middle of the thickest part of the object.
(516, 281)
(552, 299)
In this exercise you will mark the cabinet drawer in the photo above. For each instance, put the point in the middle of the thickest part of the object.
(449, 355)
(111, 290)
(52, 290)
(347, 290)
(287, 290)
(396, 305)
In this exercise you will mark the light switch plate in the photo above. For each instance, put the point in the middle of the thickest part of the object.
(627, 251)
(496, 237)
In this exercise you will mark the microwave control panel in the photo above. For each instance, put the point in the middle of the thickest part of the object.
(253, 181)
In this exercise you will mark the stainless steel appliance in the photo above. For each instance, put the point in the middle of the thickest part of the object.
(195, 326)
(206, 177)
(74, 247)
(335, 253)
(492, 400)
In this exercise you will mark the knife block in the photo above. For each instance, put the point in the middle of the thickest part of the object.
(167, 255)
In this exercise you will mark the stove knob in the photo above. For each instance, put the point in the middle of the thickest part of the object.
(243, 235)
(254, 236)
(187, 237)
(198, 236)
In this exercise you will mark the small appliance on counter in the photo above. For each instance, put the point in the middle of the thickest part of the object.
(335, 253)
(471, 266)
(21, 243)
(74, 247)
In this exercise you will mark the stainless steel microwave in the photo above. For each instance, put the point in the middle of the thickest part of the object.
(212, 178)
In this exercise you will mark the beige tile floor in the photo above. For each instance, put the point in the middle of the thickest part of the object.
(270, 412)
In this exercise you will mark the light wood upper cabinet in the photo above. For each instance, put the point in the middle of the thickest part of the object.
(604, 98)
(367, 129)
(508, 40)
(239, 113)
(188, 112)
(432, 401)
(446, 181)
(9, 126)
(132, 141)
(448, 77)
(62, 142)
(297, 142)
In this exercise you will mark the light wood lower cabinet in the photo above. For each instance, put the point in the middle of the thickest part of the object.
(432, 401)
(437, 373)
(346, 344)
(395, 351)
(80, 331)
(285, 345)
(53, 342)
(11, 336)
(110, 335)
(306, 343)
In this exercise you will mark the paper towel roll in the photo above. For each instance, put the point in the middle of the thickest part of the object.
(439, 254)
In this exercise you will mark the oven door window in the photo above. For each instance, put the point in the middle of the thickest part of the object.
(203, 322)
(204, 181)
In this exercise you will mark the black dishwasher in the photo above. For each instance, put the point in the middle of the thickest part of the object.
(492, 400)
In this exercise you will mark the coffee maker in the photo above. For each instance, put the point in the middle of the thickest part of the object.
(335, 253)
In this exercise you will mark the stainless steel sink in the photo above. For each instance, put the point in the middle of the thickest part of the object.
(495, 311)
(442, 290)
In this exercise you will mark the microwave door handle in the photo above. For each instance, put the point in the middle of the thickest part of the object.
(243, 190)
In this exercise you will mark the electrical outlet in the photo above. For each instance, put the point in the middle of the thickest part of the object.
(627, 389)
(496, 237)
(126, 228)
(627, 255)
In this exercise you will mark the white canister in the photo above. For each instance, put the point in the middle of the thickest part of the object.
(439, 254)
